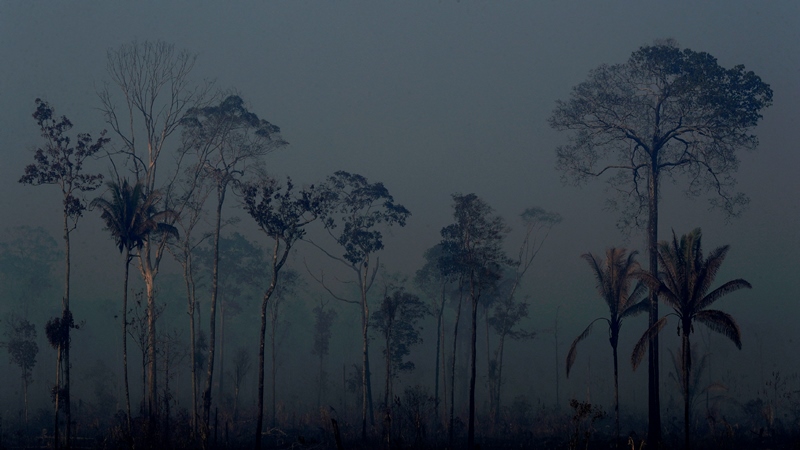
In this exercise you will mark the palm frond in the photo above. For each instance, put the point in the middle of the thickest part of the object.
(636, 309)
(722, 323)
(641, 345)
(725, 289)
(573, 349)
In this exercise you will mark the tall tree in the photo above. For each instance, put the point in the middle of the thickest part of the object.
(240, 272)
(615, 277)
(396, 320)
(430, 280)
(153, 81)
(354, 212)
(60, 162)
(281, 214)
(473, 245)
(664, 112)
(183, 251)
(684, 283)
(130, 217)
(228, 140)
(507, 311)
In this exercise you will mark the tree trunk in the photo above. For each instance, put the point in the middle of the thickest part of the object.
(220, 386)
(499, 385)
(365, 373)
(653, 386)
(473, 354)
(616, 396)
(56, 439)
(387, 393)
(67, 330)
(212, 320)
(262, 344)
(190, 297)
(152, 386)
(125, 342)
(274, 324)
(439, 317)
(687, 370)
(450, 433)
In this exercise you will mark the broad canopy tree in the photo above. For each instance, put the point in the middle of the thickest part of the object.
(353, 212)
(665, 112)
(228, 140)
(282, 215)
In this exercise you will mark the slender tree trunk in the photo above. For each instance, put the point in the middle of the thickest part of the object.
(125, 341)
(439, 316)
(387, 393)
(365, 373)
(616, 396)
(212, 320)
(190, 297)
(687, 370)
(491, 376)
(67, 330)
(262, 344)
(450, 431)
(473, 355)
(56, 439)
(220, 387)
(152, 386)
(274, 323)
(653, 386)
(501, 350)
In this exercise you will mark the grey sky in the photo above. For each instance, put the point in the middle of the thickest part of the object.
(433, 98)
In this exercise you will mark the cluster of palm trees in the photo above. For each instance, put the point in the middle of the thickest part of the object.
(683, 283)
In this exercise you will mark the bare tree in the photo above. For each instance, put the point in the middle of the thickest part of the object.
(152, 79)
(508, 312)
(664, 112)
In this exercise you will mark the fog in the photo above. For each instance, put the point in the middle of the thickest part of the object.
(430, 99)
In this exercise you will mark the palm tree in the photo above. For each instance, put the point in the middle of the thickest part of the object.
(683, 284)
(130, 216)
(614, 279)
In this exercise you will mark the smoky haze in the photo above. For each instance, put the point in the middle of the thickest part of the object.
(431, 99)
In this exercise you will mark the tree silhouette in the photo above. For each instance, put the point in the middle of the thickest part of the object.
(22, 351)
(281, 214)
(396, 320)
(353, 212)
(60, 163)
(130, 217)
(228, 140)
(152, 80)
(664, 112)
(473, 249)
(684, 284)
(614, 276)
